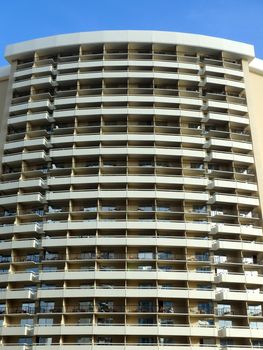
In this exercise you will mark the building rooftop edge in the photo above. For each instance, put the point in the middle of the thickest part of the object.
(256, 66)
(4, 72)
(186, 39)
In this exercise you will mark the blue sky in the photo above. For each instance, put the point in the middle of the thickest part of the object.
(232, 19)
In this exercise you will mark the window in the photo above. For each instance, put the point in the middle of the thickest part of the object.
(47, 306)
(199, 209)
(51, 256)
(32, 257)
(194, 126)
(145, 306)
(223, 309)
(146, 320)
(28, 308)
(47, 286)
(33, 288)
(165, 255)
(87, 255)
(254, 310)
(204, 286)
(165, 268)
(198, 166)
(207, 341)
(203, 269)
(163, 208)
(85, 306)
(202, 256)
(26, 322)
(166, 340)
(146, 285)
(226, 342)
(32, 269)
(2, 308)
(145, 267)
(166, 321)
(146, 163)
(50, 268)
(26, 341)
(45, 321)
(45, 340)
(166, 286)
(258, 343)
(221, 271)
(249, 260)
(225, 323)
(205, 308)
(84, 340)
(258, 325)
(251, 273)
(166, 306)
(205, 323)
(105, 306)
(84, 320)
(106, 320)
(5, 258)
(104, 340)
(146, 340)
(218, 259)
(146, 208)
(107, 255)
(145, 255)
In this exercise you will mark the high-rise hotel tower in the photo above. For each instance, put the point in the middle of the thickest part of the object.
(131, 192)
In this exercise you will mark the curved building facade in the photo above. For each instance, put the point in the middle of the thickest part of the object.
(130, 213)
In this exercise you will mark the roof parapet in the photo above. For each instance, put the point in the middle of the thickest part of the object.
(120, 36)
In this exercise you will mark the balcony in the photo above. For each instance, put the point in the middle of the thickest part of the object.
(29, 143)
(66, 77)
(40, 82)
(230, 277)
(25, 156)
(16, 331)
(195, 196)
(13, 185)
(238, 245)
(114, 134)
(240, 332)
(228, 198)
(68, 113)
(214, 105)
(237, 229)
(18, 244)
(34, 198)
(95, 151)
(22, 119)
(18, 277)
(117, 329)
(80, 179)
(222, 81)
(118, 346)
(33, 105)
(17, 294)
(219, 183)
(234, 157)
(14, 346)
(251, 296)
(243, 120)
(34, 70)
(213, 142)
(228, 68)
(21, 228)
